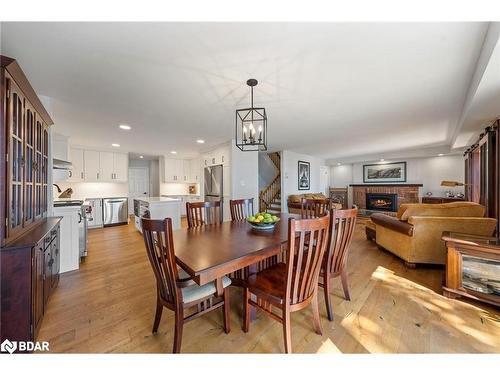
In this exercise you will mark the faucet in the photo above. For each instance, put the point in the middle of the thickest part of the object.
(58, 188)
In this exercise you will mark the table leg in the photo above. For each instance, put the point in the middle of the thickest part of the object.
(253, 311)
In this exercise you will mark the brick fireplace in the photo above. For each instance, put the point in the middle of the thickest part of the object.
(405, 193)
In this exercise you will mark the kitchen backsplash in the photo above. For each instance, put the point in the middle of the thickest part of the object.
(83, 190)
(176, 189)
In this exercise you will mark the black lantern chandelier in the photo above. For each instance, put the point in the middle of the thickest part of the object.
(251, 126)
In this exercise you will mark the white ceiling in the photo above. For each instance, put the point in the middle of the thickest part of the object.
(335, 90)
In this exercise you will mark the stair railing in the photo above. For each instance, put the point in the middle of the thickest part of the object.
(269, 194)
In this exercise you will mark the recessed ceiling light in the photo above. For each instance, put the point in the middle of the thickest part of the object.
(200, 141)
(440, 154)
(115, 145)
(125, 127)
(141, 157)
(339, 164)
(173, 152)
(382, 159)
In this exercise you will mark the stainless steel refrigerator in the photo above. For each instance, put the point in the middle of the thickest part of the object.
(214, 190)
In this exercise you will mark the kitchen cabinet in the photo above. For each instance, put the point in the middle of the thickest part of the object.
(76, 158)
(120, 167)
(178, 170)
(98, 166)
(195, 170)
(106, 166)
(92, 169)
(220, 155)
(114, 167)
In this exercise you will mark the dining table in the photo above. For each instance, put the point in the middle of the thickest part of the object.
(209, 252)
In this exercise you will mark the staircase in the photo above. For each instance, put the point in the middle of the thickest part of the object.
(270, 196)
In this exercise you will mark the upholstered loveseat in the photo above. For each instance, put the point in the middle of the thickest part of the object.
(294, 201)
(415, 233)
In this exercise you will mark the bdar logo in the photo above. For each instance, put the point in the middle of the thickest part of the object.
(8, 346)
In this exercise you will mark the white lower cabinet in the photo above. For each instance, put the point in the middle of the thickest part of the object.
(69, 237)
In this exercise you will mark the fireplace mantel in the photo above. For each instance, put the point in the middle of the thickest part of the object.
(388, 184)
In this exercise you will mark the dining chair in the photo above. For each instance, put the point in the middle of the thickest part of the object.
(292, 286)
(311, 208)
(203, 213)
(241, 208)
(340, 234)
(173, 293)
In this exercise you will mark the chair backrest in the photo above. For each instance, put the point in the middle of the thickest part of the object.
(342, 225)
(203, 213)
(241, 208)
(160, 248)
(307, 242)
(312, 208)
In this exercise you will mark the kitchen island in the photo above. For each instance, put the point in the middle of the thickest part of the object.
(159, 208)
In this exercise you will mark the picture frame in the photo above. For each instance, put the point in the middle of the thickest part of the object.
(384, 173)
(304, 175)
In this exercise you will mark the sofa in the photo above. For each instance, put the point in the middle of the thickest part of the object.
(415, 233)
(294, 201)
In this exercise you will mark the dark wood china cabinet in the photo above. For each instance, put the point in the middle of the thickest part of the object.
(29, 240)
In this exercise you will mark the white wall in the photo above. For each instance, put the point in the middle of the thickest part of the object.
(244, 175)
(289, 172)
(427, 171)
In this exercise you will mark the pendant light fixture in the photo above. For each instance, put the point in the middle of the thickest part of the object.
(251, 125)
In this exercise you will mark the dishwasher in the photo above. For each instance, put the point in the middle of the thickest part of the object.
(115, 211)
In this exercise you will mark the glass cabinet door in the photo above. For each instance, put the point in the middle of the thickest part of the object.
(45, 168)
(15, 121)
(38, 168)
(29, 160)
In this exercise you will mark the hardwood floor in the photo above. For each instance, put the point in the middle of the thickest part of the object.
(108, 306)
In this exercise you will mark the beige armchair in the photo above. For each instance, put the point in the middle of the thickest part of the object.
(415, 234)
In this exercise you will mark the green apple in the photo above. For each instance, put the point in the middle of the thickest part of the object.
(251, 218)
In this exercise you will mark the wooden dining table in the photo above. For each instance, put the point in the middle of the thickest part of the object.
(209, 252)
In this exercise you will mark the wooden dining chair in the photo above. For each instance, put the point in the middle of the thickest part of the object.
(311, 208)
(173, 293)
(203, 213)
(292, 286)
(340, 234)
(241, 208)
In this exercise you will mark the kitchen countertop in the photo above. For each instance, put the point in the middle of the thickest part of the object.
(180, 195)
(158, 200)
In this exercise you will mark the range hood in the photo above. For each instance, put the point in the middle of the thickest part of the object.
(61, 164)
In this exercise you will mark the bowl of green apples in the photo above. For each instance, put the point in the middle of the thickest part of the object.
(263, 221)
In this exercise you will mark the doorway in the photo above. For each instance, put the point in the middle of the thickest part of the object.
(138, 185)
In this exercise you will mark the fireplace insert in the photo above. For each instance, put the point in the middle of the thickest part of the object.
(382, 202)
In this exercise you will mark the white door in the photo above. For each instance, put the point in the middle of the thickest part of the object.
(120, 167)
(324, 180)
(106, 160)
(138, 185)
(92, 165)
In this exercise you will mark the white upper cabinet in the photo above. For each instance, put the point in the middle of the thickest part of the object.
(76, 174)
(194, 170)
(120, 167)
(180, 170)
(107, 171)
(98, 166)
(186, 171)
(91, 162)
